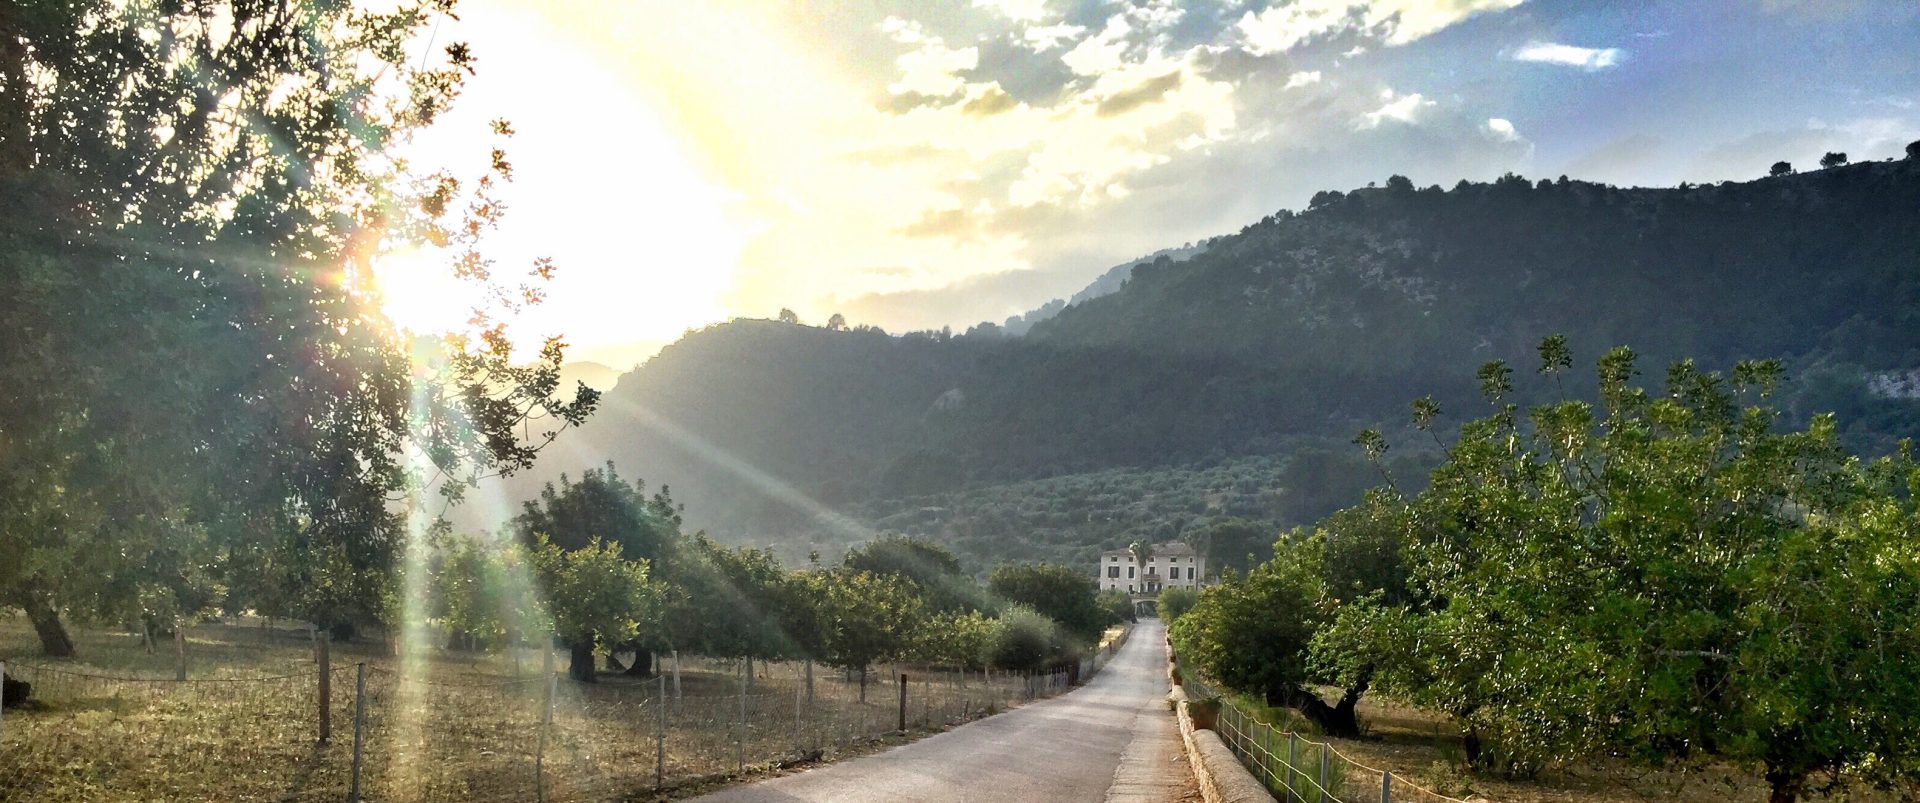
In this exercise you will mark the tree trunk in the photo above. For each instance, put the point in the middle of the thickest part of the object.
(580, 661)
(1785, 785)
(642, 666)
(54, 641)
(1333, 720)
(863, 684)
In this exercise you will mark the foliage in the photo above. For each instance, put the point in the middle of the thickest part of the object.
(863, 617)
(216, 194)
(1063, 595)
(1024, 639)
(962, 640)
(928, 566)
(602, 506)
(1117, 603)
(595, 597)
(1175, 602)
(1673, 577)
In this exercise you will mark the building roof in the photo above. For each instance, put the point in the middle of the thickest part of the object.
(1170, 549)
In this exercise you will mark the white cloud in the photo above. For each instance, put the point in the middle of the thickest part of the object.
(1397, 108)
(1017, 10)
(1042, 38)
(1585, 58)
(1102, 52)
(931, 68)
(1502, 129)
(1303, 78)
(1285, 25)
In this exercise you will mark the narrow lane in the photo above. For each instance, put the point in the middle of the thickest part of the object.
(1069, 748)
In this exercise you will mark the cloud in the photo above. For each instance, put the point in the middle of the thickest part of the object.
(931, 68)
(1501, 129)
(1146, 92)
(1103, 52)
(1396, 108)
(1017, 10)
(1285, 25)
(990, 100)
(1042, 38)
(1302, 78)
(1585, 58)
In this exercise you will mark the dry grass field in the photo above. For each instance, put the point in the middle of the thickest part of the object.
(114, 725)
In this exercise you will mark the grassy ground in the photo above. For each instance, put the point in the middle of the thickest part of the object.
(113, 725)
(1424, 748)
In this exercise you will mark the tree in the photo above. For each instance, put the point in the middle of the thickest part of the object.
(596, 598)
(1142, 553)
(961, 640)
(787, 316)
(1833, 159)
(933, 570)
(1913, 150)
(1175, 602)
(837, 323)
(1399, 184)
(1780, 169)
(1234, 543)
(223, 190)
(1061, 594)
(862, 617)
(1670, 577)
(602, 506)
(1118, 605)
(1025, 640)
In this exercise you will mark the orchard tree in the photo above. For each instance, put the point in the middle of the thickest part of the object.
(1064, 595)
(928, 566)
(862, 617)
(215, 181)
(1674, 577)
(596, 598)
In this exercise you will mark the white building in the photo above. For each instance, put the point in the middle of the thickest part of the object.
(1173, 565)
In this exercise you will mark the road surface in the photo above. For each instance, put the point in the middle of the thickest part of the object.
(1113, 739)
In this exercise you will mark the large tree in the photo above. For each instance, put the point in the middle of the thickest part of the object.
(1670, 576)
(194, 369)
(1066, 596)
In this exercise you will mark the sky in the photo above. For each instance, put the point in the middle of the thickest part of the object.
(919, 165)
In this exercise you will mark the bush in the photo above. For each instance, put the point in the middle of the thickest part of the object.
(1176, 601)
(1023, 639)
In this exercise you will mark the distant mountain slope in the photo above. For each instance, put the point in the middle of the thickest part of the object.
(1295, 332)
(1105, 284)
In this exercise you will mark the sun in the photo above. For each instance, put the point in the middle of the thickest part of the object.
(419, 293)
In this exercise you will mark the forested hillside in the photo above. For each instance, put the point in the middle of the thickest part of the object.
(1294, 333)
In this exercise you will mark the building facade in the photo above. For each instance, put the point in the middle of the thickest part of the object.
(1173, 565)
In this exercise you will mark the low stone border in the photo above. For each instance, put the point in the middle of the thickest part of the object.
(1222, 778)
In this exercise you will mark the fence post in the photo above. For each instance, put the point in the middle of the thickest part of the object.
(809, 682)
(546, 724)
(660, 734)
(740, 735)
(676, 679)
(359, 728)
(1325, 760)
(903, 702)
(1386, 787)
(1293, 760)
(3, 709)
(325, 657)
(179, 651)
(1266, 750)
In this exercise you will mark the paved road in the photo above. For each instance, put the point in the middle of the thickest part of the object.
(1111, 739)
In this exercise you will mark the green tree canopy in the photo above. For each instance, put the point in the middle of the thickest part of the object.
(1061, 594)
(1670, 576)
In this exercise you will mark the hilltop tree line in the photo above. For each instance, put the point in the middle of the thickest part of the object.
(1284, 338)
(1671, 577)
(603, 568)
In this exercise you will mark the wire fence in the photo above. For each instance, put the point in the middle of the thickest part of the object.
(363, 732)
(1297, 769)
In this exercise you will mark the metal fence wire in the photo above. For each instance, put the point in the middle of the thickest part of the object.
(360, 732)
(1297, 769)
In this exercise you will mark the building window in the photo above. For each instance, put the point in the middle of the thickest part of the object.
(1113, 571)
(1129, 572)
